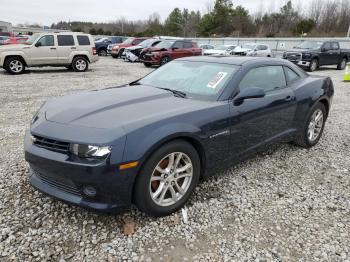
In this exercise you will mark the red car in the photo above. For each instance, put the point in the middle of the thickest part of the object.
(15, 40)
(118, 49)
(168, 50)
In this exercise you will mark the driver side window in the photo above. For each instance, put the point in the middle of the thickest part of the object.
(47, 40)
(178, 45)
(266, 77)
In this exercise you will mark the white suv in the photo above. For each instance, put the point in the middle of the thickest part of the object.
(72, 50)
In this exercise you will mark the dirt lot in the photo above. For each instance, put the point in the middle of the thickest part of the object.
(287, 204)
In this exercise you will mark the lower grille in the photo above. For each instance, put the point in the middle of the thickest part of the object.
(293, 56)
(50, 144)
(59, 185)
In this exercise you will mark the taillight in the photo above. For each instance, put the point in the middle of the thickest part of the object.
(94, 51)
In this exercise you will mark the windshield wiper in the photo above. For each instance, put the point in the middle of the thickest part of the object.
(175, 92)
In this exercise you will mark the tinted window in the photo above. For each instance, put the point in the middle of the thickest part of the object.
(335, 45)
(47, 40)
(187, 45)
(262, 47)
(327, 46)
(83, 40)
(266, 77)
(291, 75)
(65, 40)
(137, 41)
(178, 44)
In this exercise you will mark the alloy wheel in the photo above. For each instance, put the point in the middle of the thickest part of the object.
(80, 64)
(315, 125)
(313, 65)
(16, 66)
(171, 179)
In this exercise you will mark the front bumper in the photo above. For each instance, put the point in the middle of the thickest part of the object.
(62, 177)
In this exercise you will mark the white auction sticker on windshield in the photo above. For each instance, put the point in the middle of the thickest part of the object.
(217, 80)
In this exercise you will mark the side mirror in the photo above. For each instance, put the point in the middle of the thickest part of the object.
(38, 44)
(323, 49)
(249, 93)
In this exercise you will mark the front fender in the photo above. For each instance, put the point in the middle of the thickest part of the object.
(22, 54)
(142, 143)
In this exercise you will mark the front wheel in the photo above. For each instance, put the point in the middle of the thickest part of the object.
(14, 66)
(102, 52)
(313, 128)
(313, 65)
(147, 64)
(80, 64)
(164, 60)
(167, 179)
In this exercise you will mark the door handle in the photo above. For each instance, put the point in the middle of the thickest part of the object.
(73, 48)
(53, 48)
(288, 98)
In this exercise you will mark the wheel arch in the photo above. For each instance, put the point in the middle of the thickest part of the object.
(326, 104)
(80, 55)
(15, 55)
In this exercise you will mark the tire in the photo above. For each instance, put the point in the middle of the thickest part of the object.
(15, 65)
(102, 52)
(304, 139)
(147, 64)
(114, 56)
(165, 60)
(80, 64)
(342, 64)
(121, 51)
(313, 65)
(148, 195)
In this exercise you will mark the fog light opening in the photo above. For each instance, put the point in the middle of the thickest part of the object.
(89, 191)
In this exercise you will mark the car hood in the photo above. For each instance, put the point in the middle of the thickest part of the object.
(214, 51)
(241, 49)
(14, 47)
(128, 107)
(297, 50)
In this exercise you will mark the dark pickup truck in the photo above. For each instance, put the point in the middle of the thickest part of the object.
(311, 55)
(102, 44)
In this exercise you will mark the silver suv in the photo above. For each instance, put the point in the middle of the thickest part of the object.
(72, 50)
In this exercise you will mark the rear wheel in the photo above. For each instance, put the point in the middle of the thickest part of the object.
(80, 64)
(313, 128)
(313, 65)
(342, 64)
(147, 64)
(167, 179)
(14, 65)
(121, 51)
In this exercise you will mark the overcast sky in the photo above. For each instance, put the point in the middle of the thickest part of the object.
(45, 12)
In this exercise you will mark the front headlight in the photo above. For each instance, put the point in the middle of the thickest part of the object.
(90, 151)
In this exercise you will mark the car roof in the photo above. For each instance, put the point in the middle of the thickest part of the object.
(232, 60)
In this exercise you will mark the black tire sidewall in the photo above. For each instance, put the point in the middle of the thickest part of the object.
(74, 62)
(307, 142)
(105, 53)
(142, 195)
(7, 65)
(164, 57)
(147, 64)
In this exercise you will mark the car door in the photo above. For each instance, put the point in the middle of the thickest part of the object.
(66, 45)
(326, 54)
(43, 52)
(258, 121)
(178, 50)
(335, 53)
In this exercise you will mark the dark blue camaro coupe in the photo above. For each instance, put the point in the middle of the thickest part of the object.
(149, 143)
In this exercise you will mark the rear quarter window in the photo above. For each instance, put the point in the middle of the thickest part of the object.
(83, 40)
(65, 40)
(187, 45)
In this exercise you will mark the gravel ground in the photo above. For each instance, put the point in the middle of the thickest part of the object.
(287, 204)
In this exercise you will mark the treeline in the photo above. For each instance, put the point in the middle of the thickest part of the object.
(223, 19)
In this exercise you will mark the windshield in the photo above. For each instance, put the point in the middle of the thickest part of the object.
(310, 45)
(165, 44)
(223, 47)
(128, 41)
(101, 40)
(249, 46)
(32, 39)
(197, 80)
